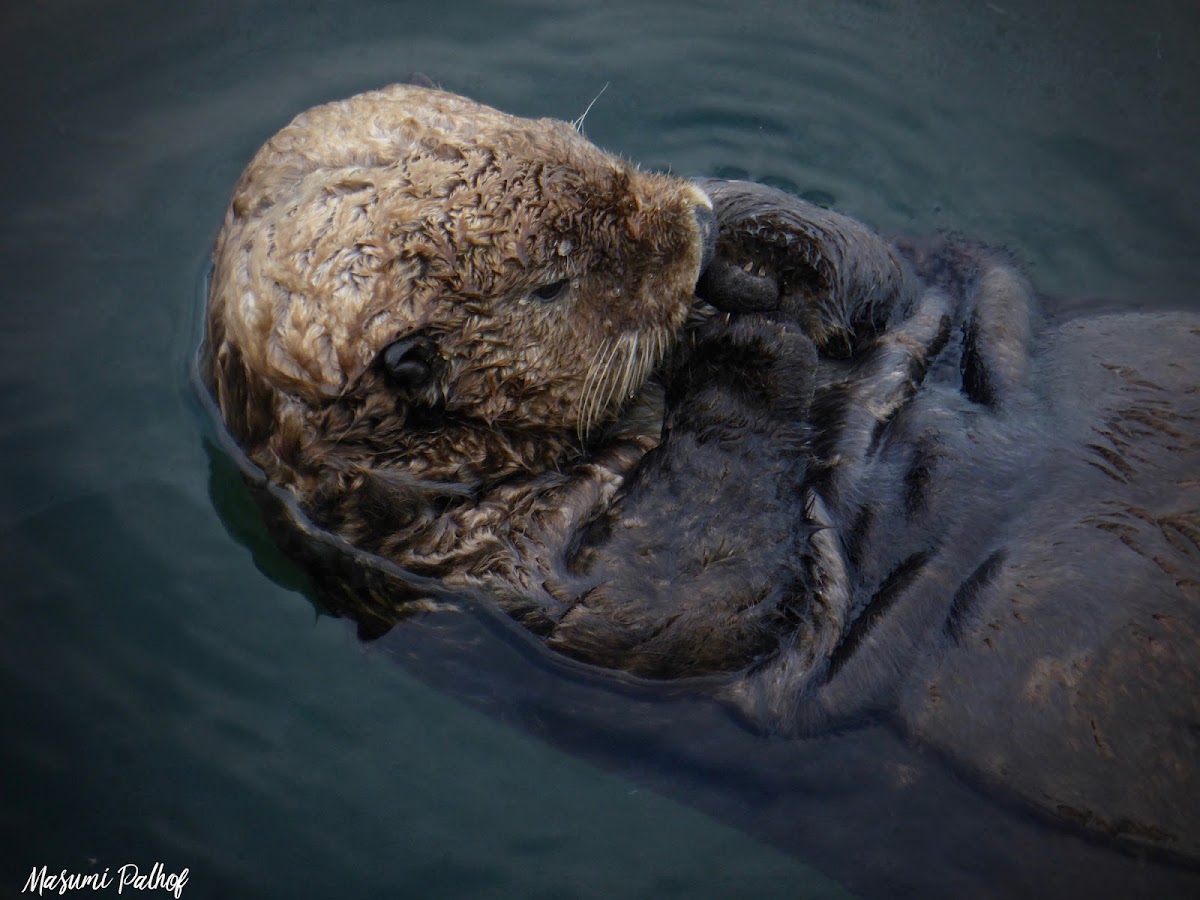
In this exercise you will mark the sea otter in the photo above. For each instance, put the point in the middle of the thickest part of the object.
(844, 479)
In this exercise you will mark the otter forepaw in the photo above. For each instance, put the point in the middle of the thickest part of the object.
(746, 367)
(738, 288)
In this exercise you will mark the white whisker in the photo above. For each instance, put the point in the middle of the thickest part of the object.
(594, 386)
(578, 123)
(589, 385)
(617, 370)
(612, 366)
(632, 363)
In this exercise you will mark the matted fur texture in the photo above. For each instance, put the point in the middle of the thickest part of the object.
(880, 486)
(414, 212)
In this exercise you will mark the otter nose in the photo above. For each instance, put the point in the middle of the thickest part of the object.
(706, 221)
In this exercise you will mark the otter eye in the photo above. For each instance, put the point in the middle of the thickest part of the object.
(548, 293)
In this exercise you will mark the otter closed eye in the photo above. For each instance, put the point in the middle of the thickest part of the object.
(548, 293)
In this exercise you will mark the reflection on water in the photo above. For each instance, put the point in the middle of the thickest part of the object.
(168, 701)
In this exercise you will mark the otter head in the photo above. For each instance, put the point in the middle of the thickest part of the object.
(408, 261)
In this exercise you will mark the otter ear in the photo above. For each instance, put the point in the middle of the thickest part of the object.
(412, 363)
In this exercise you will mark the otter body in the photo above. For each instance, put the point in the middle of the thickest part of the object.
(876, 484)
(1017, 507)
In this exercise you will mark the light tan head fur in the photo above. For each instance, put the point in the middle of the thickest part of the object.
(408, 211)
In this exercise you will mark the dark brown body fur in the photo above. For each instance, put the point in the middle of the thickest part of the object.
(881, 486)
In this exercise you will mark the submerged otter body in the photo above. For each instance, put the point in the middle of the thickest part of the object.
(1017, 510)
(877, 485)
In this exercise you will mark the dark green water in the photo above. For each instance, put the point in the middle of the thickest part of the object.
(164, 700)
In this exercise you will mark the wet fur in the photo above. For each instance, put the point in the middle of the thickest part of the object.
(879, 486)
(1016, 508)
(413, 214)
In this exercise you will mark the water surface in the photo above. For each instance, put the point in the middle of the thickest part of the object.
(164, 698)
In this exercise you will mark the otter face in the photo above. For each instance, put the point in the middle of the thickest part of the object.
(412, 245)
